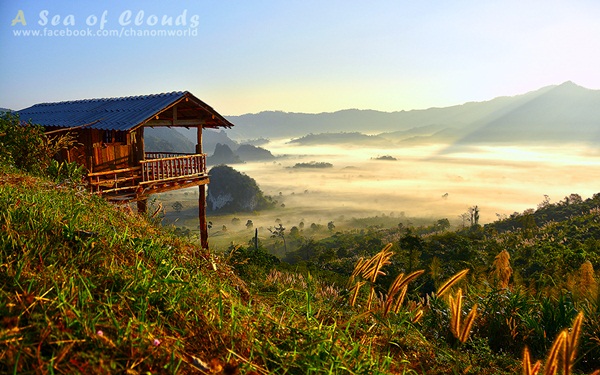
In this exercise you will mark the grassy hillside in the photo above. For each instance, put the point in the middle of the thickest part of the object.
(93, 288)
(90, 288)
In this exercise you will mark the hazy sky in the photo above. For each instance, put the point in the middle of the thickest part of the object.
(297, 55)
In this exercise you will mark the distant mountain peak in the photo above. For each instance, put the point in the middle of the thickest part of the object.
(572, 85)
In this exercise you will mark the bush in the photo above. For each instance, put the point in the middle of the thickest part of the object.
(23, 145)
(249, 262)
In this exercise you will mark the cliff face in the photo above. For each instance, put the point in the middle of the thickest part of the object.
(232, 191)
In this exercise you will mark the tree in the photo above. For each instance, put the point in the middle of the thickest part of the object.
(413, 244)
(330, 226)
(294, 232)
(474, 215)
(279, 232)
(442, 224)
(545, 203)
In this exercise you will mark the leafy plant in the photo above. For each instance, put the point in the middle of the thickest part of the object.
(65, 171)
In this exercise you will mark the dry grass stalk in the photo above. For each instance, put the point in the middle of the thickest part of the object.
(368, 270)
(359, 268)
(399, 287)
(402, 281)
(354, 292)
(400, 299)
(570, 344)
(502, 269)
(552, 361)
(371, 297)
(466, 330)
(459, 330)
(563, 352)
(417, 316)
(374, 266)
(455, 306)
(395, 285)
(448, 284)
(528, 369)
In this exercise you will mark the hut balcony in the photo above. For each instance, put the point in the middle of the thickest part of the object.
(158, 172)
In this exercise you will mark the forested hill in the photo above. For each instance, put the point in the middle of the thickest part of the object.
(569, 207)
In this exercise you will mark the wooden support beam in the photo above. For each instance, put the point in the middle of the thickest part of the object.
(199, 141)
(202, 216)
(163, 187)
(202, 199)
(183, 123)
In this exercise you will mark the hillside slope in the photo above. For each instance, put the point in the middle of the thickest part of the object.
(91, 288)
(87, 287)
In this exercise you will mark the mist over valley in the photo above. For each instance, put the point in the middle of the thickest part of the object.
(504, 156)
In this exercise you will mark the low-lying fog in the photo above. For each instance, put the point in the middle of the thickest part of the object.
(423, 181)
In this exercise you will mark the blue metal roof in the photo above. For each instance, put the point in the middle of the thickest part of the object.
(108, 113)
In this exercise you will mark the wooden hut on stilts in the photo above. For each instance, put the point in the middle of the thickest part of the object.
(110, 144)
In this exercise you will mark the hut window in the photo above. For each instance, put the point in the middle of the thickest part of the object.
(112, 136)
(120, 137)
(107, 136)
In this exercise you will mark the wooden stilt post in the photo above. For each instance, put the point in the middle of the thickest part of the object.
(202, 199)
(202, 216)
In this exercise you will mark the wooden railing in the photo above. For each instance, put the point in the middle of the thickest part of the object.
(163, 155)
(160, 166)
(115, 180)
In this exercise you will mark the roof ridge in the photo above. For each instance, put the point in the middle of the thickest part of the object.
(174, 93)
(118, 113)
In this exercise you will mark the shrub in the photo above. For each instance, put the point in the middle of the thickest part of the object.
(24, 145)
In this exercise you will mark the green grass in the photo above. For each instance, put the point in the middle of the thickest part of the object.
(91, 288)
(73, 266)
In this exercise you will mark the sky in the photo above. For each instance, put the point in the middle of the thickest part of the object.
(296, 55)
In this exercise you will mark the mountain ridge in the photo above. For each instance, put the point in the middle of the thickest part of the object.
(550, 109)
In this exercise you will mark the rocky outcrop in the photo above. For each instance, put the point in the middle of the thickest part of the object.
(232, 191)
